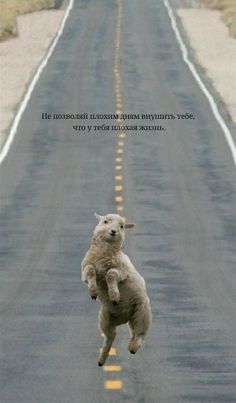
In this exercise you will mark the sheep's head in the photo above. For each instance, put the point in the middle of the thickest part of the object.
(111, 228)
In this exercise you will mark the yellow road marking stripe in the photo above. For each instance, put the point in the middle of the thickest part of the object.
(119, 207)
(117, 384)
(112, 368)
(112, 351)
(113, 385)
(118, 177)
(118, 188)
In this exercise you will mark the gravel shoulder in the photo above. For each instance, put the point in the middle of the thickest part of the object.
(19, 58)
(214, 50)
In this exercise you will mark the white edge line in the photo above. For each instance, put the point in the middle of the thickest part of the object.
(208, 95)
(30, 89)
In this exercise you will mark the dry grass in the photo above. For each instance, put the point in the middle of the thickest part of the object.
(9, 9)
(228, 8)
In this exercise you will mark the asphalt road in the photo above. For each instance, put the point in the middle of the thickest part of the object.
(179, 188)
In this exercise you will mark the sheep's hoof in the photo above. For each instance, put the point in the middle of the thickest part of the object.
(115, 302)
(93, 292)
(133, 348)
(100, 364)
(135, 344)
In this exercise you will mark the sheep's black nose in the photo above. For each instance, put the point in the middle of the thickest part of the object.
(113, 231)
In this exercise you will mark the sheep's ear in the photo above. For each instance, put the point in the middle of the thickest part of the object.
(98, 217)
(129, 226)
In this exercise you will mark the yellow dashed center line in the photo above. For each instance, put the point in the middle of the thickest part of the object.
(118, 177)
(113, 352)
(120, 208)
(122, 135)
(119, 150)
(112, 368)
(113, 385)
(119, 199)
(118, 188)
(117, 384)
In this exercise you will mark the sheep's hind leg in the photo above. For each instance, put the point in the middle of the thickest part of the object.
(139, 324)
(109, 333)
(135, 343)
(108, 340)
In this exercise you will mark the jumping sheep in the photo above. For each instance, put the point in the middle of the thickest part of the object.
(112, 278)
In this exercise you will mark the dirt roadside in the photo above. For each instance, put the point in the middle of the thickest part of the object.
(214, 49)
(19, 58)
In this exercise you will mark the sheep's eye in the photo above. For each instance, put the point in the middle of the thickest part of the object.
(121, 225)
(105, 222)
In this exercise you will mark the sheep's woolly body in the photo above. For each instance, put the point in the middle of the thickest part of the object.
(120, 288)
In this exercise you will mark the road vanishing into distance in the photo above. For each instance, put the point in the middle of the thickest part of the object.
(178, 186)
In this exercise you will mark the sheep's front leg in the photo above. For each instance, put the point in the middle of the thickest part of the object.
(113, 277)
(89, 276)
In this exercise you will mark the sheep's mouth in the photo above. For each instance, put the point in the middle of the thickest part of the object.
(112, 237)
